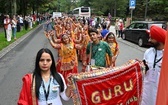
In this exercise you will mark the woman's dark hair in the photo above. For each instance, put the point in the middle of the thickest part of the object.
(37, 71)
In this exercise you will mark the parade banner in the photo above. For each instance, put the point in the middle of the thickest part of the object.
(117, 86)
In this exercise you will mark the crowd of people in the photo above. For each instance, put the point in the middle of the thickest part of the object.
(17, 23)
(96, 47)
(74, 41)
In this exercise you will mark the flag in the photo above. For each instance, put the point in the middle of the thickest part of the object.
(162, 95)
(120, 85)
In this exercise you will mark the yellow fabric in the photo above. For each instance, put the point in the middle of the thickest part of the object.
(68, 56)
(86, 41)
(113, 50)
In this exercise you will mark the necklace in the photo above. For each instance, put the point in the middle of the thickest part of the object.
(69, 46)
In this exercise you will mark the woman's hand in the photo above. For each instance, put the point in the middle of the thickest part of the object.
(114, 58)
(51, 33)
(69, 86)
(46, 34)
(69, 79)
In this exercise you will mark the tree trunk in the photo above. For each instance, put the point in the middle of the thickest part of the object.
(14, 7)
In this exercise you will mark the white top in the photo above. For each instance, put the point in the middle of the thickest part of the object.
(54, 93)
(14, 23)
(108, 23)
(149, 56)
(117, 26)
(9, 25)
(21, 19)
(151, 78)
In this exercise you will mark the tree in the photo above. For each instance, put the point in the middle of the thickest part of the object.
(157, 9)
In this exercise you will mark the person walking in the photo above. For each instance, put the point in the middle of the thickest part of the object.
(8, 28)
(153, 60)
(104, 30)
(121, 27)
(14, 27)
(3, 18)
(96, 51)
(67, 53)
(117, 27)
(111, 40)
(26, 23)
(45, 86)
(21, 21)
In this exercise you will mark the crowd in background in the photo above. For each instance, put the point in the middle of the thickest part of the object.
(72, 37)
(17, 23)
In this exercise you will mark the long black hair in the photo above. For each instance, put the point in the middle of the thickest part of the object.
(37, 71)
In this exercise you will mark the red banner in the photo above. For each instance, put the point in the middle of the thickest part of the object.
(118, 86)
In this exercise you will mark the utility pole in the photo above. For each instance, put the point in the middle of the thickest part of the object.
(146, 9)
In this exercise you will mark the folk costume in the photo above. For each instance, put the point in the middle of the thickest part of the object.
(82, 54)
(67, 62)
(67, 51)
(114, 48)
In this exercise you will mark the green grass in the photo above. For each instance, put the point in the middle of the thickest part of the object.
(3, 41)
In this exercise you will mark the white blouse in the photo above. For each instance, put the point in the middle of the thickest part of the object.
(54, 93)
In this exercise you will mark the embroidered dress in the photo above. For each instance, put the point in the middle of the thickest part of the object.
(58, 31)
(82, 54)
(114, 48)
(67, 62)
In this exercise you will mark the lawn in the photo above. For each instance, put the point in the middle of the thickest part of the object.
(3, 41)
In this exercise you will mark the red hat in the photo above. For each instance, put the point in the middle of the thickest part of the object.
(158, 33)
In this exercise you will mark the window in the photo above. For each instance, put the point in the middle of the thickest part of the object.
(131, 26)
(85, 9)
(139, 26)
(76, 11)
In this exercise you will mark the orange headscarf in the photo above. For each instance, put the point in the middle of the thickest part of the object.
(158, 33)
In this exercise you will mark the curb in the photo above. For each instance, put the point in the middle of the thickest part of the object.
(4, 51)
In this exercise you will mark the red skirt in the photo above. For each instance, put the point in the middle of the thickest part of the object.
(65, 73)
